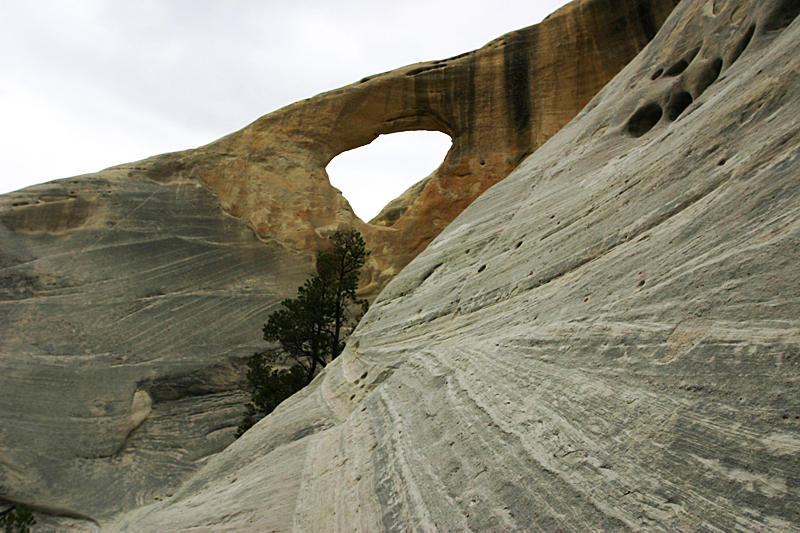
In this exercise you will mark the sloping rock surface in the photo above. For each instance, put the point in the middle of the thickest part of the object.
(607, 340)
(124, 301)
(130, 298)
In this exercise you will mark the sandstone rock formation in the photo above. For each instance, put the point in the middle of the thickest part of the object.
(124, 301)
(607, 340)
(498, 103)
(129, 298)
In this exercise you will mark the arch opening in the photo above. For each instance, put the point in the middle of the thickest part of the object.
(373, 175)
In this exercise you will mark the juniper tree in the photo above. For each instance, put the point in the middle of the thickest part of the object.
(17, 519)
(309, 331)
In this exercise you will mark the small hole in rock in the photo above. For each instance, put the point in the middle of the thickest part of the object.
(719, 164)
(481, 269)
(743, 43)
(641, 283)
(784, 12)
(353, 396)
(657, 74)
(364, 375)
(678, 104)
(518, 244)
(644, 119)
(709, 76)
(677, 68)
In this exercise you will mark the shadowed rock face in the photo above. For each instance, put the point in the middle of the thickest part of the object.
(130, 298)
(607, 340)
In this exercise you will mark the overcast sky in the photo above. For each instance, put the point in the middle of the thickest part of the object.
(88, 84)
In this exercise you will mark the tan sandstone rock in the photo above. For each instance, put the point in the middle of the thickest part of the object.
(606, 340)
(130, 298)
(498, 103)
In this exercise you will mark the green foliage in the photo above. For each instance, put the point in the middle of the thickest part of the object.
(340, 270)
(18, 519)
(309, 331)
(267, 387)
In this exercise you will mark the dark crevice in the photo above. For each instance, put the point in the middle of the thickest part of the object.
(419, 70)
(644, 119)
(743, 43)
(677, 68)
(430, 272)
(784, 12)
(678, 104)
(213, 379)
(693, 53)
(708, 76)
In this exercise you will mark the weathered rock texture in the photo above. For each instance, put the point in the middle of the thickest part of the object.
(607, 340)
(498, 103)
(129, 298)
(126, 309)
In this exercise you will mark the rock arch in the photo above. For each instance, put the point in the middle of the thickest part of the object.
(498, 104)
(163, 293)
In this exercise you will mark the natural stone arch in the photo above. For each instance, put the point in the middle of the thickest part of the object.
(167, 285)
(498, 104)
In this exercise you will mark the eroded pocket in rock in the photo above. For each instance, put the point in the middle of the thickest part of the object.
(708, 76)
(783, 14)
(678, 104)
(742, 44)
(644, 119)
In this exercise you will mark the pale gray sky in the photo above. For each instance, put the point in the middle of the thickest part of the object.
(88, 84)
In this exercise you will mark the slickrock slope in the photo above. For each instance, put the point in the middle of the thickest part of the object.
(129, 298)
(607, 340)
(126, 309)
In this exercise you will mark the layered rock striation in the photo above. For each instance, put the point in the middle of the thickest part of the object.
(607, 340)
(127, 308)
(130, 298)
